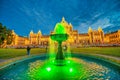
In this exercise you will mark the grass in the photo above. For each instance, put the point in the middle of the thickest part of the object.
(12, 53)
(112, 51)
(17, 54)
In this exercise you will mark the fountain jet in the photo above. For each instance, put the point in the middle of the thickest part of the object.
(59, 35)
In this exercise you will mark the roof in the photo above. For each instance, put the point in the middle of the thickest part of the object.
(45, 36)
(84, 34)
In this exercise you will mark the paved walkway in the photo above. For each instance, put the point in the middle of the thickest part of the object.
(2, 60)
(106, 56)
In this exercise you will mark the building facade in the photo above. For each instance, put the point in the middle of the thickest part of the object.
(92, 37)
(113, 38)
(19, 40)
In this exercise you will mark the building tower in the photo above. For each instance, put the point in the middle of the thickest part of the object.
(39, 36)
(90, 33)
(14, 36)
(101, 34)
(71, 27)
(30, 36)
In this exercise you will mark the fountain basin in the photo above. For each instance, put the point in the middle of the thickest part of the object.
(59, 37)
(87, 68)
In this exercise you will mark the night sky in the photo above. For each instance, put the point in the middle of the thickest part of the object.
(26, 15)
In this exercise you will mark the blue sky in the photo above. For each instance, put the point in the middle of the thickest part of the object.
(26, 15)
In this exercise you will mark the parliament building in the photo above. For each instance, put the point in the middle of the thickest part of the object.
(91, 38)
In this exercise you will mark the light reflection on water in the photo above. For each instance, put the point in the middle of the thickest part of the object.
(92, 71)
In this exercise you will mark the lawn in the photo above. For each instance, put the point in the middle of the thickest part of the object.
(11, 53)
(17, 54)
(112, 51)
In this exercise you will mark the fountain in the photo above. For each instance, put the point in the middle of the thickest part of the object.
(65, 67)
(79, 67)
(59, 35)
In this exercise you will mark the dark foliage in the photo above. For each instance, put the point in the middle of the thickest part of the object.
(5, 35)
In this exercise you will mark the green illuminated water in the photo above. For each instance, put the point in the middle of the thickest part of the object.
(76, 68)
(52, 49)
(59, 36)
(50, 71)
(60, 66)
(59, 29)
(68, 51)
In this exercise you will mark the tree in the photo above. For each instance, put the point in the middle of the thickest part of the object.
(5, 34)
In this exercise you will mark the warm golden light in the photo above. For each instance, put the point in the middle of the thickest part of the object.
(93, 37)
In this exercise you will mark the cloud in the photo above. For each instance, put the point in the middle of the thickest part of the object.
(44, 14)
(104, 22)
